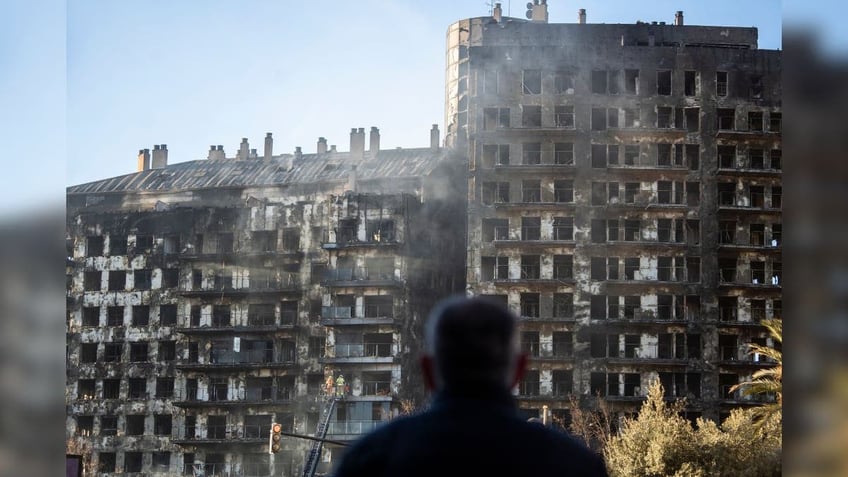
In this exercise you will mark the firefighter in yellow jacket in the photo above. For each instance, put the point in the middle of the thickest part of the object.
(328, 385)
(340, 385)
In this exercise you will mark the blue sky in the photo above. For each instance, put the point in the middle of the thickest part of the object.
(100, 80)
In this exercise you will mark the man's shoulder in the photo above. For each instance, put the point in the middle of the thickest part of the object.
(390, 429)
(562, 444)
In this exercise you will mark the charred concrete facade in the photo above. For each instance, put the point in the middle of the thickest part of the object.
(624, 197)
(617, 186)
(208, 299)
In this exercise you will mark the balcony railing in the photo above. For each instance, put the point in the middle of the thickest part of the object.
(255, 285)
(281, 282)
(359, 274)
(208, 470)
(528, 389)
(376, 388)
(353, 428)
(225, 432)
(348, 238)
(249, 356)
(380, 311)
(364, 350)
(226, 357)
(232, 394)
(336, 312)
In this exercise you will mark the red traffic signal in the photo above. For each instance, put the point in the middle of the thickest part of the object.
(275, 440)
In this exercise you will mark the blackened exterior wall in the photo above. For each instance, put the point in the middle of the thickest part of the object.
(624, 198)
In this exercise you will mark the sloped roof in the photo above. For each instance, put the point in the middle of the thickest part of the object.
(310, 168)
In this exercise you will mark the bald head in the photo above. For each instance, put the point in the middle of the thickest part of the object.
(472, 342)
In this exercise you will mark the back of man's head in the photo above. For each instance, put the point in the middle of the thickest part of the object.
(473, 342)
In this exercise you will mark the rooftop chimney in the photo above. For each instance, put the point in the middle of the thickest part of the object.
(434, 137)
(269, 146)
(160, 156)
(497, 13)
(581, 16)
(537, 11)
(678, 18)
(374, 141)
(143, 159)
(332, 148)
(357, 142)
(298, 153)
(244, 150)
(322, 145)
(253, 154)
(219, 153)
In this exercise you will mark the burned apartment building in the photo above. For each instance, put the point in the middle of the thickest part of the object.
(208, 299)
(624, 197)
(616, 185)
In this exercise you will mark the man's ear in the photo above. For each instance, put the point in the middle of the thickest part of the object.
(520, 368)
(428, 369)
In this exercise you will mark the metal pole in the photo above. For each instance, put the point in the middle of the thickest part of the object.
(302, 436)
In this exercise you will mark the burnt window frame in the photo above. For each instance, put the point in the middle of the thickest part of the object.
(531, 81)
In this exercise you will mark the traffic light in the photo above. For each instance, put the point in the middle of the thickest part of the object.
(275, 440)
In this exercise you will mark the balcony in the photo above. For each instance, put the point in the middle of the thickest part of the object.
(361, 277)
(352, 429)
(744, 202)
(738, 356)
(650, 354)
(289, 282)
(230, 256)
(224, 359)
(344, 315)
(737, 278)
(224, 470)
(359, 353)
(348, 238)
(565, 317)
(371, 389)
(255, 323)
(650, 316)
(220, 434)
(728, 243)
(232, 396)
(737, 398)
(536, 205)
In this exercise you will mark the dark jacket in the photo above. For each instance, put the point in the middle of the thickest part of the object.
(461, 436)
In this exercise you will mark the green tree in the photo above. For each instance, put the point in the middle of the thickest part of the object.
(767, 381)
